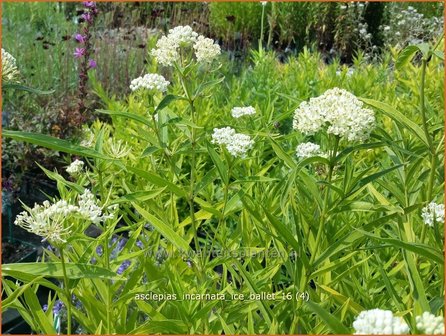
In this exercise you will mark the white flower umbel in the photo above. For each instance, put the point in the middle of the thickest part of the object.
(430, 324)
(379, 322)
(308, 149)
(433, 212)
(47, 220)
(75, 167)
(117, 149)
(53, 221)
(238, 112)
(89, 209)
(9, 67)
(151, 82)
(339, 112)
(206, 50)
(183, 36)
(222, 136)
(237, 144)
(166, 52)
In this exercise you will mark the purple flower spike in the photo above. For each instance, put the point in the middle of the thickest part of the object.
(58, 306)
(80, 38)
(87, 17)
(123, 267)
(79, 52)
(89, 4)
(92, 64)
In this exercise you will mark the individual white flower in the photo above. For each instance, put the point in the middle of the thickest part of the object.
(386, 28)
(430, 324)
(222, 136)
(182, 35)
(339, 112)
(205, 49)
(433, 212)
(9, 67)
(166, 52)
(238, 112)
(152, 82)
(343, 7)
(75, 167)
(379, 322)
(308, 149)
(264, 3)
(237, 144)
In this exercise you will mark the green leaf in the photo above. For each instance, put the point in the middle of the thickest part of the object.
(332, 322)
(421, 249)
(20, 87)
(54, 144)
(164, 229)
(439, 54)
(54, 270)
(159, 181)
(220, 164)
(127, 115)
(139, 196)
(166, 101)
(405, 56)
(398, 117)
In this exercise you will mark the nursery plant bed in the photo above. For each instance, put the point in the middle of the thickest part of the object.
(18, 251)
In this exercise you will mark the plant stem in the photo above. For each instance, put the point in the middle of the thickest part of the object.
(261, 29)
(432, 151)
(326, 198)
(67, 290)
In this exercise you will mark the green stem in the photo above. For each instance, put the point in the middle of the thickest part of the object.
(326, 198)
(67, 290)
(261, 29)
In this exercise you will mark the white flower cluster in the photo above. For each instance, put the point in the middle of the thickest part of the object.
(337, 110)
(75, 167)
(51, 220)
(206, 50)
(117, 148)
(153, 82)
(238, 112)
(430, 324)
(237, 144)
(184, 36)
(308, 149)
(9, 67)
(433, 212)
(407, 26)
(379, 322)
(89, 209)
(167, 47)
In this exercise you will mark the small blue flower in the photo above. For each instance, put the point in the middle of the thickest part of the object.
(140, 244)
(58, 306)
(93, 261)
(99, 250)
(123, 267)
(45, 307)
